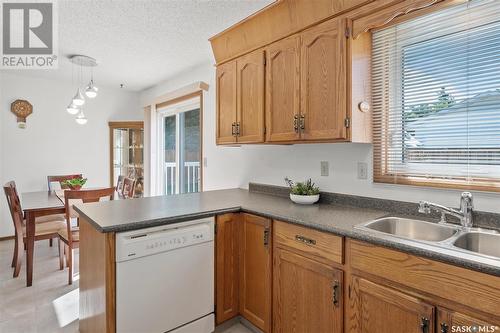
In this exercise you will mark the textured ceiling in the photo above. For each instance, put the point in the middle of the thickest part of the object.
(138, 42)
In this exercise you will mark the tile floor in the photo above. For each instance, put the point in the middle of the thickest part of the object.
(50, 305)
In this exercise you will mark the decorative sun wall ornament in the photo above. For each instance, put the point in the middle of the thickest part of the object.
(22, 109)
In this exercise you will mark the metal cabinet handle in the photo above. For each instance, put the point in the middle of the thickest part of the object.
(444, 328)
(302, 122)
(296, 123)
(305, 240)
(233, 129)
(266, 237)
(336, 287)
(237, 129)
(424, 324)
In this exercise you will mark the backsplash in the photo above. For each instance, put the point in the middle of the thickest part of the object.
(481, 219)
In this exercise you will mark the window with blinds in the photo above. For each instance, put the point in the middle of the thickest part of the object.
(436, 98)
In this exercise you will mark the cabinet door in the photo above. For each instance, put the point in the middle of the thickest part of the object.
(307, 295)
(282, 90)
(376, 309)
(226, 270)
(451, 321)
(250, 92)
(226, 102)
(255, 271)
(323, 84)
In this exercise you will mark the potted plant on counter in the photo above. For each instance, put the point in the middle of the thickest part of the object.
(304, 193)
(75, 183)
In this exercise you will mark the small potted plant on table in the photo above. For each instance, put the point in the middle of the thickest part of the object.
(75, 183)
(304, 193)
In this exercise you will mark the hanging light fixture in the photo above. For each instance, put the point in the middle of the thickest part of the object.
(81, 119)
(78, 99)
(72, 109)
(91, 90)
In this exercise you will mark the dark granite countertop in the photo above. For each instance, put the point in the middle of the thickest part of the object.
(340, 219)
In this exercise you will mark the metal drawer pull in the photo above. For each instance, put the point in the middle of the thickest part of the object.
(305, 240)
(424, 324)
(296, 123)
(336, 286)
(444, 328)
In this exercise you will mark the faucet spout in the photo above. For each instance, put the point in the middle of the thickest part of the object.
(464, 214)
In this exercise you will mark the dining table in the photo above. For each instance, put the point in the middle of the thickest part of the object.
(36, 204)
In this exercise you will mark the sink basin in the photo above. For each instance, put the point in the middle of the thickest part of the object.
(480, 242)
(412, 229)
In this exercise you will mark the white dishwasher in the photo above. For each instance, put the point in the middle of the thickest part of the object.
(165, 278)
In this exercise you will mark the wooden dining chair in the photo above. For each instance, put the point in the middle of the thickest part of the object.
(46, 227)
(60, 179)
(70, 235)
(119, 185)
(129, 188)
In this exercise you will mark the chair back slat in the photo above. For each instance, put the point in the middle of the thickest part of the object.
(61, 178)
(129, 188)
(85, 196)
(14, 203)
(119, 185)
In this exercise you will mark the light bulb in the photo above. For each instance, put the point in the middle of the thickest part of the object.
(81, 119)
(72, 109)
(78, 100)
(91, 90)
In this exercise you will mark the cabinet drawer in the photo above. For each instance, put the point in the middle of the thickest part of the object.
(316, 243)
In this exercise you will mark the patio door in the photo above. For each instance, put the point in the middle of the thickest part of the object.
(180, 147)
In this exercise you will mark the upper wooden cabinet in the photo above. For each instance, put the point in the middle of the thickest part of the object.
(283, 90)
(323, 85)
(240, 100)
(226, 103)
(250, 97)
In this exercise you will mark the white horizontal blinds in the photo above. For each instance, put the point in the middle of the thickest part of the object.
(436, 97)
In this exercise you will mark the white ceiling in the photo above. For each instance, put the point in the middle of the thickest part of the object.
(139, 42)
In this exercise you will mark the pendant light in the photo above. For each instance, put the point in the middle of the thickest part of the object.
(81, 119)
(91, 90)
(72, 109)
(78, 99)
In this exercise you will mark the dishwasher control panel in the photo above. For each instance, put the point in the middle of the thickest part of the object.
(144, 242)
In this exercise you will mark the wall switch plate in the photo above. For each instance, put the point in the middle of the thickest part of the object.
(362, 170)
(205, 162)
(325, 168)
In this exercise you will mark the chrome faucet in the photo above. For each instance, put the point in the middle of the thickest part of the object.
(464, 214)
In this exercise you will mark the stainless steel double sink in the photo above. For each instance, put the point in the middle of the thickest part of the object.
(478, 241)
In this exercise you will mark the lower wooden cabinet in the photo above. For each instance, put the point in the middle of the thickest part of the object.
(255, 270)
(376, 308)
(449, 321)
(307, 295)
(226, 267)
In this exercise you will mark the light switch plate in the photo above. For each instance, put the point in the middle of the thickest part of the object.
(325, 168)
(205, 162)
(362, 170)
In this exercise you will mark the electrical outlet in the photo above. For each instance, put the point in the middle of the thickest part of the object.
(362, 170)
(325, 168)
